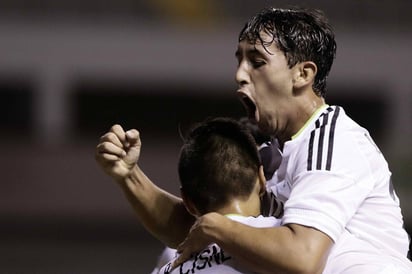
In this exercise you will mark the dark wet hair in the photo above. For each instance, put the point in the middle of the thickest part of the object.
(218, 161)
(301, 34)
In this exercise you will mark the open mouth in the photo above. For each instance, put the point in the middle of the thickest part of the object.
(249, 106)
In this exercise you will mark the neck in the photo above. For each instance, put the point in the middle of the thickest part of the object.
(247, 207)
(304, 110)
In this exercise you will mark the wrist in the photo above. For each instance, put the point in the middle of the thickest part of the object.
(137, 182)
(130, 175)
(218, 228)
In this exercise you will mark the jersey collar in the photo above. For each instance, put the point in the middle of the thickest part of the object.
(314, 115)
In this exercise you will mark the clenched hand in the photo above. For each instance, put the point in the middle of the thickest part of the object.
(118, 151)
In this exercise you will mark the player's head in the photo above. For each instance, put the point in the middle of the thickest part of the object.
(218, 162)
(302, 35)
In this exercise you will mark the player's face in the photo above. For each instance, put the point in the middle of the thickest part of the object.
(265, 85)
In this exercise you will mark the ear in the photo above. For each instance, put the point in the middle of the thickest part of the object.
(261, 181)
(304, 74)
(188, 204)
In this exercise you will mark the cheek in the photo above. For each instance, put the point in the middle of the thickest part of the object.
(264, 85)
(277, 86)
(265, 90)
(272, 77)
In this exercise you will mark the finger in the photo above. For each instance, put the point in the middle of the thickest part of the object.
(110, 148)
(108, 157)
(184, 247)
(181, 247)
(180, 260)
(133, 151)
(118, 130)
(111, 137)
(133, 136)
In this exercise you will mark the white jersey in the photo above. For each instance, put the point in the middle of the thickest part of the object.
(333, 177)
(351, 255)
(168, 254)
(213, 259)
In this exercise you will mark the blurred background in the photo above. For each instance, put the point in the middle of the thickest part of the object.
(71, 69)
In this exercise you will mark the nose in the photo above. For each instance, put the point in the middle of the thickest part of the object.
(242, 75)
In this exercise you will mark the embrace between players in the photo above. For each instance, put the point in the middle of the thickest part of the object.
(340, 211)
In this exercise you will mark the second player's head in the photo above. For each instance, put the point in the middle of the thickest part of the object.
(219, 161)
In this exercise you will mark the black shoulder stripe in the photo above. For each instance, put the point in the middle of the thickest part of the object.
(331, 138)
(310, 150)
(321, 138)
(319, 135)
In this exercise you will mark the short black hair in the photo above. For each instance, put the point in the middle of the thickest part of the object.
(301, 34)
(218, 160)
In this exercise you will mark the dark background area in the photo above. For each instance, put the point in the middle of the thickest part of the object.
(71, 69)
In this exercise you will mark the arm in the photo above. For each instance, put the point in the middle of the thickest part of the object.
(286, 249)
(161, 213)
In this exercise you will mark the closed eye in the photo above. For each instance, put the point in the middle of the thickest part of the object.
(257, 63)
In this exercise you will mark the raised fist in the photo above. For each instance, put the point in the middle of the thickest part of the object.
(118, 151)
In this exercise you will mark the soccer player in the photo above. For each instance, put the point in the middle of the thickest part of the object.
(270, 162)
(220, 171)
(332, 179)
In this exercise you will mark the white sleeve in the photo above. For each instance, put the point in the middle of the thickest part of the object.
(325, 201)
(327, 192)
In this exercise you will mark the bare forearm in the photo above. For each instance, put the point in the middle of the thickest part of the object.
(160, 212)
(285, 249)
